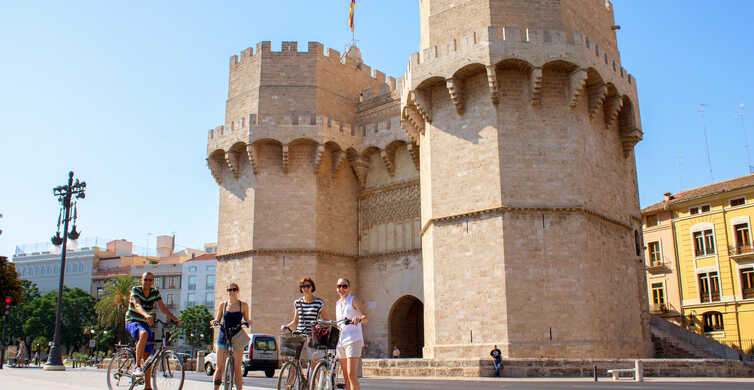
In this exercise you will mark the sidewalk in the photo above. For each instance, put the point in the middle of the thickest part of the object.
(74, 379)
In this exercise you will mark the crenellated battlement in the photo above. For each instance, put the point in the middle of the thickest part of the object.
(537, 47)
(314, 50)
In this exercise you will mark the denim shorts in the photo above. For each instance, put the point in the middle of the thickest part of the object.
(134, 328)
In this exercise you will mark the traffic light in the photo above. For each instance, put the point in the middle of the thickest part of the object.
(6, 303)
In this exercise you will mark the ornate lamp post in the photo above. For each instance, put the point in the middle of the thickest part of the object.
(64, 194)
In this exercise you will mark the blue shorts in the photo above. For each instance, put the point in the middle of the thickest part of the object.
(134, 328)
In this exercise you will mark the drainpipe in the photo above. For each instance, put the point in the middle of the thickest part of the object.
(732, 280)
(675, 250)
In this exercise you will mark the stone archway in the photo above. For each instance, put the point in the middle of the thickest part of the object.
(406, 323)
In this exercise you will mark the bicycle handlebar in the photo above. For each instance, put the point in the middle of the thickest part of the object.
(345, 321)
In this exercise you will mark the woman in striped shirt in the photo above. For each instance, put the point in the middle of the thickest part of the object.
(306, 310)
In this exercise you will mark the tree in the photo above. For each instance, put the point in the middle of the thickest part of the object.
(10, 286)
(111, 309)
(195, 327)
(77, 312)
(20, 313)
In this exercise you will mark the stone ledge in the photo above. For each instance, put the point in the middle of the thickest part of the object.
(556, 367)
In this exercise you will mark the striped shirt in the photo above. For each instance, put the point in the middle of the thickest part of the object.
(147, 303)
(308, 312)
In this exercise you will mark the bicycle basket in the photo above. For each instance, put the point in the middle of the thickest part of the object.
(324, 337)
(291, 345)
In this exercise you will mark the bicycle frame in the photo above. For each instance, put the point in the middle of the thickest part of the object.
(230, 363)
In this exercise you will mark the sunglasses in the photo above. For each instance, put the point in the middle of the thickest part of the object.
(343, 286)
(232, 290)
(306, 286)
(148, 280)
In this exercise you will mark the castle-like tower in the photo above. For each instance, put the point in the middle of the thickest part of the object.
(488, 197)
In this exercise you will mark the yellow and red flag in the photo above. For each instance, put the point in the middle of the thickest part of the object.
(350, 18)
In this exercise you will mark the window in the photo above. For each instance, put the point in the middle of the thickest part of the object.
(654, 252)
(737, 202)
(211, 268)
(99, 292)
(210, 282)
(170, 300)
(709, 287)
(704, 243)
(192, 268)
(192, 282)
(209, 299)
(698, 209)
(172, 282)
(742, 236)
(651, 220)
(658, 294)
(191, 300)
(747, 282)
(713, 321)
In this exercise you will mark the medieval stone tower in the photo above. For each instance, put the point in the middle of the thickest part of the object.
(487, 197)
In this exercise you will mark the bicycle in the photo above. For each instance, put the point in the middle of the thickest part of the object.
(291, 375)
(229, 374)
(167, 369)
(324, 376)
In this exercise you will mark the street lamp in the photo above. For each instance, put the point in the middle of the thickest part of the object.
(64, 194)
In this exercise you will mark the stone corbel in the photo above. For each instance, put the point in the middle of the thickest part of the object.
(339, 157)
(216, 169)
(231, 158)
(388, 160)
(492, 81)
(597, 96)
(422, 104)
(629, 138)
(612, 109)
(285, 159)
(455, 89)
(578, 80)
(535, 82)
(413, 150)
(318, 157)
(360, 168)
(251, 151)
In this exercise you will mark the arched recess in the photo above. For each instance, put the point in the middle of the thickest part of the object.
(406, 326)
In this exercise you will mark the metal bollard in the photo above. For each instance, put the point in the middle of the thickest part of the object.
(594, 371)
(638, 371)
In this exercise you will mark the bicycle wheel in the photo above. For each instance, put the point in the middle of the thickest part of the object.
(119, 369)
(322, 377)
(229, 374)
(289, 377)
(168, 372)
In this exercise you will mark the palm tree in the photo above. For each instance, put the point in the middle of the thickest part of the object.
(111, 309)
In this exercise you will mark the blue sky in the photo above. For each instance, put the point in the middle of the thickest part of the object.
(124, 93)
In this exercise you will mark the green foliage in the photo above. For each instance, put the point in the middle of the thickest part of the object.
(195, 321)
(111, 309)
(77, 312)
(10, 286)
(40, 343)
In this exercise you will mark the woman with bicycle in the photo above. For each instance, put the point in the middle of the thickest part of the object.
(233, 313)
(351, 336)
(306, 310)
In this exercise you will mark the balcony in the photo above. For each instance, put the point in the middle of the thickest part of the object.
(657, 267)
(659, 308)
(741, 252)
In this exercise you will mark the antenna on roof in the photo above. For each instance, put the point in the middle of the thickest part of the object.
(740, 114)
(706, 141)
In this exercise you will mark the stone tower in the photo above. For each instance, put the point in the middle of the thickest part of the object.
(488, 197)
(526, 123)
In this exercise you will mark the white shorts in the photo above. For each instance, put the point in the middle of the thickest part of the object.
(351, 350)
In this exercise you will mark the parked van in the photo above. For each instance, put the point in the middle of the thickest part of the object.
(261, 354)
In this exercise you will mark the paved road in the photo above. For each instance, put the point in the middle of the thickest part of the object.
(88, 378)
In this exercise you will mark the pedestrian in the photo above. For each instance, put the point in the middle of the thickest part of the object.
(497, 360)
(351, 336)
(36, 358)
(232, 313)
(396, 352)
(140, 318)
(21, 353)
(306, 310)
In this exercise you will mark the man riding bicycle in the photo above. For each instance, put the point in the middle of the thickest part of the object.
(140, 318)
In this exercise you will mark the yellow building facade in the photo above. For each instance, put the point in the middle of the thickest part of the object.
(714, 258)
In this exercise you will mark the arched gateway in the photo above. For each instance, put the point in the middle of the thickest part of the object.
(406, 324)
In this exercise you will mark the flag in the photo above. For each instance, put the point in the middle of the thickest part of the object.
(350, 18)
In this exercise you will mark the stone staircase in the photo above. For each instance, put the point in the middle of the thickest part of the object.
(673, 342)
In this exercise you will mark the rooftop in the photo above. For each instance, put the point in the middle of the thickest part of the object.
(208, 256)
(700, 192)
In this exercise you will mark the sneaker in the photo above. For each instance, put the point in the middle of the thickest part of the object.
(138, 372)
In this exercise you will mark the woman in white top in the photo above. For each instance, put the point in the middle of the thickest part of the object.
(351, 337)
